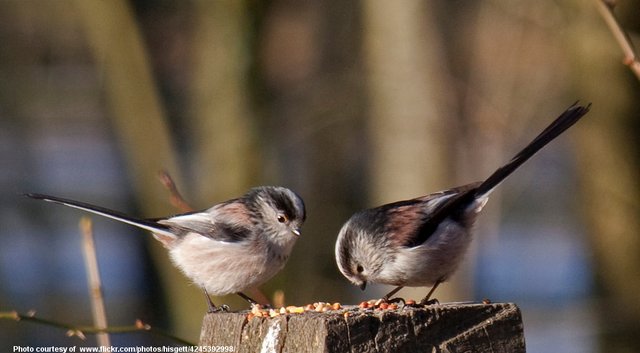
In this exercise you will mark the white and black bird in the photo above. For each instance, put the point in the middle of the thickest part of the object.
(228, 248)
(421, 242)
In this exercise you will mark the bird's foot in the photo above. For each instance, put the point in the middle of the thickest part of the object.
(218, 309)
(426, 301)
(386, 300)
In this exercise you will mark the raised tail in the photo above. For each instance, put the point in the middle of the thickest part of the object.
(149, 225)
(557, 127)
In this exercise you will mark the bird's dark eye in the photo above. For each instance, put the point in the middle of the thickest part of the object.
(359, 268)
(282, 218)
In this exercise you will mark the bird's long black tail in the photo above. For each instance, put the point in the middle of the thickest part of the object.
(557, 127)
(118, 216)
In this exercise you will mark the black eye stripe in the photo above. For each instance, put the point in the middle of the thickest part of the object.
(283, 204)
(281, 199)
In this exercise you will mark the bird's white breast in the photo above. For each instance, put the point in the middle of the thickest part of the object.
(224, 267)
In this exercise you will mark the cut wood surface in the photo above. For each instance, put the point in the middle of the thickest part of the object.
(435, 328)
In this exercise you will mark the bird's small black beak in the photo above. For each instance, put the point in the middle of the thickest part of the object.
(363, 286)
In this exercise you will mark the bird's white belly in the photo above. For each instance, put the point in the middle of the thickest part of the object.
(222, 268)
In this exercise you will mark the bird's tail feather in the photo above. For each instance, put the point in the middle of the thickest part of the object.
(558, 126)
(149, 225)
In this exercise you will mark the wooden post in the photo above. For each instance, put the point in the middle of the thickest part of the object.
(436, 328)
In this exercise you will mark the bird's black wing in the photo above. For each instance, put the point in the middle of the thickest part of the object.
(430, 211)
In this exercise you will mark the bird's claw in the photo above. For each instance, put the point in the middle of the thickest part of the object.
(427, 302)
(397, 300)
(390, 301)
(218, 309)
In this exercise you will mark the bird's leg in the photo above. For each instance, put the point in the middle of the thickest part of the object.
(386, 299)
(427, 300)
(211, 306)
(247, 298)
(394, 291)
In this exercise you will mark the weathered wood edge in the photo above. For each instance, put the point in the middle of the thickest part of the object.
(436, 328)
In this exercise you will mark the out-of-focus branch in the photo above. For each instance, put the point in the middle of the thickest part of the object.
(95, 283)
(630, 57)
(82, 331)
(175, 197)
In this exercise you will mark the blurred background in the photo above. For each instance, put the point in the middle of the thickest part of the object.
(351, 104)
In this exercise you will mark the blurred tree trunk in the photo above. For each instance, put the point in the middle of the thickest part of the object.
(503, 92)
(140, 123)
(407, 91)
(313, 119)
(225, 161)
(226, 156)
(305, 136)
(506, 102)
(610, 175)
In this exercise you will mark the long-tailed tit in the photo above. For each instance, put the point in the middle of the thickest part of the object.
(421, 242)
(228, 248)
